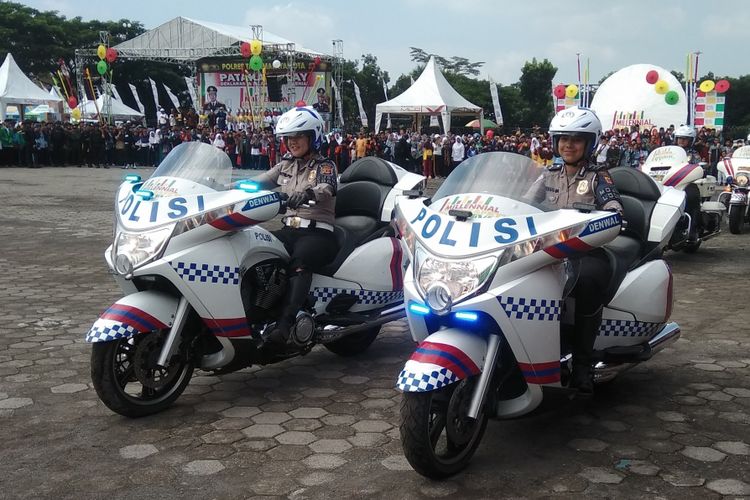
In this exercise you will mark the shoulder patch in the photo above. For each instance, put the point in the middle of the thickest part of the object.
(554, 167)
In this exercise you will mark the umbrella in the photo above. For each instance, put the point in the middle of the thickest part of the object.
(485, 122)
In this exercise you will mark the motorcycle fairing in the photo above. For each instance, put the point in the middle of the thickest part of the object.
(140, 312)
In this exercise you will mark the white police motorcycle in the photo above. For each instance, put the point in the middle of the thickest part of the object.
(204, 283)
(736, 174)
(670, 167)
(487, 299)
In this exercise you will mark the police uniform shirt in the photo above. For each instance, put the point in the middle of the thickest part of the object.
(297, 175)
(557, 190)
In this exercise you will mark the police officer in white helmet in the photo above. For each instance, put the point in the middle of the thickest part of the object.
(306, 176)
(575, 133)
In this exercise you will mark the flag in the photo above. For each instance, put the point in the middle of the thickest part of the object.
(339, 106)
(156, 96)
(362, 114)
(172, 97)
(115, 93)
(496, 104)
(191, 91)
(388, 116)
(137, 99)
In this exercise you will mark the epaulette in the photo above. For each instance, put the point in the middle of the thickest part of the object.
(287, 156)
(555, 167)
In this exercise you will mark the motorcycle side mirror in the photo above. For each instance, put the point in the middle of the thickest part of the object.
(584, 207)
(413, 193)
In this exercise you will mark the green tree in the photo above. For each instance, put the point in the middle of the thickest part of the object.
(737, 111)
(535, 86)
(455, 64)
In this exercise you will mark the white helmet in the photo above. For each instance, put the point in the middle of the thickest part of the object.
(685, 131)
(302, 120)
(577, 121)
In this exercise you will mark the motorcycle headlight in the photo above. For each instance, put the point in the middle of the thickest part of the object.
(445, 282)
(132, 250)
(742, 180)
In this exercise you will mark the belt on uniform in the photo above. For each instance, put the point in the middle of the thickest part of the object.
(299, 222)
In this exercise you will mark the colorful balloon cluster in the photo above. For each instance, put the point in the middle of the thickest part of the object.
(252, 50)
(106, 55)
(561, 91)
(720, 87)
(661, 87)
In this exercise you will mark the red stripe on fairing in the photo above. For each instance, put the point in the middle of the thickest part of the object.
(563, 249)
(578, 245)
(144, 322)
(677, 177)
(547, 379)
(233, 222)
(555, 252)
(440, 361)
(228, 327)
(458, 353)
(541, 373)
(397, 280)
(729, 167)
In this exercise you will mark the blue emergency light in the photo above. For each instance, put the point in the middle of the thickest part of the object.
(248, 186)
(134, 178)
(419, 309)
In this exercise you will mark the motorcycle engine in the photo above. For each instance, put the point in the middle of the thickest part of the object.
(263, 287)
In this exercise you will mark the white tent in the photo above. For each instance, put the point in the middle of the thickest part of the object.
(16, 88)
(118, 109)
(430, 95)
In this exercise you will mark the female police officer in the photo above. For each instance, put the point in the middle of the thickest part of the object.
(575, 133)
(306, 177)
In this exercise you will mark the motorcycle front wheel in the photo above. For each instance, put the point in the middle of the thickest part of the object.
(736, 218)
(128, 380)
(437, 436)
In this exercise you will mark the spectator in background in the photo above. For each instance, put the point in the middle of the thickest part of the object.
(427, 170)
(458, 153)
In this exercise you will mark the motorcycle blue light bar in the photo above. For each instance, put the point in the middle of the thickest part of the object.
(134, 178)
(145, 194)
(419, 309)
(248, 186)
(466, 316)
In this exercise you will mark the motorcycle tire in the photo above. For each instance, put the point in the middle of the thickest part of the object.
(113, 369)
(692, 246)
(736, 219)
(425, 436)
(354, 344)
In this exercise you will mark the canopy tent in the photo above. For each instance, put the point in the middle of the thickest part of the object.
(430, 95)
(17, 88)
(118, 109)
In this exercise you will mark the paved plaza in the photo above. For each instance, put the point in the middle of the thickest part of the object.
(322, 426)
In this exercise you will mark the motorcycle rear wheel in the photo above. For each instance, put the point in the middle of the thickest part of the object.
(437, 436)
(736, 219)
(127, 379)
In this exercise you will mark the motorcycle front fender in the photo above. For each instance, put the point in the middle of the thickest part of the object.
(443, 358)
(140, 312)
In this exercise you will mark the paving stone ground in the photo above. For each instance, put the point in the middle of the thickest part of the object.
(327, 427)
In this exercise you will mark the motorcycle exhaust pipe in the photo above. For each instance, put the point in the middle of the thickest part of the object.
(604, 372)
(335, 333)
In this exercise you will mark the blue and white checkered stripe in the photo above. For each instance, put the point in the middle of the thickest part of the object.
(531, 309)
(625, 328)
(105, 331)
(409, 381)
(363, 296)
(206, 273)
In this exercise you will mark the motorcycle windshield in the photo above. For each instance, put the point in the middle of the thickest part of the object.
(490, 185)
(191, 168)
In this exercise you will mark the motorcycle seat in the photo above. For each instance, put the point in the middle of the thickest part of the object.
(639, 195)
(624, 253)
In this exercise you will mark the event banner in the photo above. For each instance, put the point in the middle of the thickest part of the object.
(232, 85)
(709, 110)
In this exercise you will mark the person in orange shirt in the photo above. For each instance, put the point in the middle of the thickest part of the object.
(427, 159)
(361, 146)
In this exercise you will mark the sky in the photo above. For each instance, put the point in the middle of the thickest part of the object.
(610, 34)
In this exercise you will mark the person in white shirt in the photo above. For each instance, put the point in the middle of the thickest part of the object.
(458, 153)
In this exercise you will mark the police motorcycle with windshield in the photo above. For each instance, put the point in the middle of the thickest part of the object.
(203, 282)
(670, 166)
(487, 300)
(736, 172)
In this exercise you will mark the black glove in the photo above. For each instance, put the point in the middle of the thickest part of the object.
(300, 198)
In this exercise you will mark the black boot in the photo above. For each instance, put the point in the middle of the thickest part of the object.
(298, 289)
(586, 329)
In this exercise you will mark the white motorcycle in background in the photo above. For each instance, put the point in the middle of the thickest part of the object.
(487, 299)
(203, 282)
(669, 166)
(736, 172)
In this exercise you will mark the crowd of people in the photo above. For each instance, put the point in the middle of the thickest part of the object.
(129, 145)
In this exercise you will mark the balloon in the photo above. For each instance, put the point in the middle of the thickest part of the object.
(256, 63)
(101, 51)
(245, 49)
(276, 64)
(490, 134)
(111, 55)
(571, 91)
(721, 86)
(72, 102)
(661, 87)
(559, 91)
(707, 86)
(652, 76)
(101, 67)
(317, 60)
(671, 97)
(76, 114)
(256, 46)
(300, 103)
